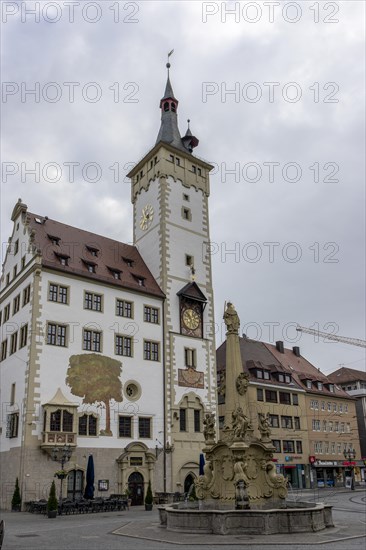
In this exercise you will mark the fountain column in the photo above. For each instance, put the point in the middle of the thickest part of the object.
(236, 381)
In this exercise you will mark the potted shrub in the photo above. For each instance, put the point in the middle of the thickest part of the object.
(52, 503)
(149, 498)
(16, 501)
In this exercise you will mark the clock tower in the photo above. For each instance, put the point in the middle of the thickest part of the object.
(170, 190)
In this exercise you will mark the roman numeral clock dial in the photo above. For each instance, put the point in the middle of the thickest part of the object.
(191, 320)
(147, 216)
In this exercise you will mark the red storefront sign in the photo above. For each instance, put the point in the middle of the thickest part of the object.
(312, 459)
(347, 463)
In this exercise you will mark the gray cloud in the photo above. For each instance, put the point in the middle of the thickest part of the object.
(306, 132)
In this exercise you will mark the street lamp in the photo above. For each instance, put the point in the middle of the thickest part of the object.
(61, 455)
(350, 456)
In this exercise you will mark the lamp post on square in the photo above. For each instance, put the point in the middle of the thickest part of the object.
(61, 455)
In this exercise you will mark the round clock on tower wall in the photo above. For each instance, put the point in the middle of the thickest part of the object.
(191, 318)
(147, 216)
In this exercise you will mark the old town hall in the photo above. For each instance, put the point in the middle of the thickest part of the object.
(105, 349)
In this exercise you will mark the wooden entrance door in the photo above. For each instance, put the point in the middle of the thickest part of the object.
(136, 488)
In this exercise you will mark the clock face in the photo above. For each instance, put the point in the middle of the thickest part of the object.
(191, 319)
(147, 216)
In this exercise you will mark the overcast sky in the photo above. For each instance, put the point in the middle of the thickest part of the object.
(295, 148)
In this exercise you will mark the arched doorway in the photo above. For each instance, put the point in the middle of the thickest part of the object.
(136, 488)
(188, 482)
(75, 482)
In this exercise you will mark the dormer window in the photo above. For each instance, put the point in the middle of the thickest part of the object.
(128, 261)
(331, 388)
(309, 384)
(320, 385)
(140, 280)
(288, 378)
(266, 375)
(259, 373)
(92, 250)
(54, 240)
(91, 267)
(116, 273)
(63, 259)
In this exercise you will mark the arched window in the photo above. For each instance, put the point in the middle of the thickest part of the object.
(188, 482)
(166, 106)
(173, 107)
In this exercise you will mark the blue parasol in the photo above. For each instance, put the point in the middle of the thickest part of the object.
(202, 463)
(89, 489)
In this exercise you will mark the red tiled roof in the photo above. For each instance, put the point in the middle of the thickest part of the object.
(302, 370)
(255, 354)
(77, 246)
(344, 375)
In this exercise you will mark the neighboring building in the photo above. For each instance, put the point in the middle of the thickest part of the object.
(310, 415)
(331, 418)
(354, 383)
(103, 346)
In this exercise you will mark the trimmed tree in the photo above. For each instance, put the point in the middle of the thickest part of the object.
(52, 503)
(149, 497)
(96, 378)
(16, 500)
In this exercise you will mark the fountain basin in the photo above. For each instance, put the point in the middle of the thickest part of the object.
(295, 517)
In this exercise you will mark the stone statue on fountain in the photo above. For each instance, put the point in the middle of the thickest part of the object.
(239, 471)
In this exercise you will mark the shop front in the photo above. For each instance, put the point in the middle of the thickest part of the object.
(331, 473)
(295, 473)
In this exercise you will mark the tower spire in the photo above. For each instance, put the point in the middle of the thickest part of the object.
(169, 131)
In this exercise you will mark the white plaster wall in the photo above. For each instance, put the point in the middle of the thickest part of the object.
(54, 360)
(13, 368)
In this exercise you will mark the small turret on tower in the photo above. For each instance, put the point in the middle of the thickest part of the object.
(189, 140)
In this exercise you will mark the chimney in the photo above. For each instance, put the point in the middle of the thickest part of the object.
(296, 351)
(279, 346)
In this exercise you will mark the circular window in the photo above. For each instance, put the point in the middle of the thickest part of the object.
(132, 390)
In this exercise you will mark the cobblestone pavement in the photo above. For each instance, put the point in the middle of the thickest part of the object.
(138, 529)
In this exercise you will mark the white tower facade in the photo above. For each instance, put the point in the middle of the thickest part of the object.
(170, 190)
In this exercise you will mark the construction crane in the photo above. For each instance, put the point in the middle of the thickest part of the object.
(327, 336)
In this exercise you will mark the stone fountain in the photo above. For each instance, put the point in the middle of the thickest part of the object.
(240, 491)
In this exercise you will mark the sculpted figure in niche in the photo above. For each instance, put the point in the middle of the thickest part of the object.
(242, 383)
(231, 319)
(240, 423)
(209, 432)
(264, 425)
